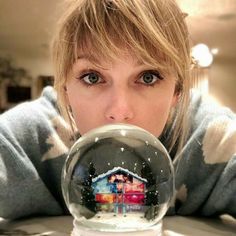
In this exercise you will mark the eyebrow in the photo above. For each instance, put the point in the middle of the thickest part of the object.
(89, 58)
(93, 59)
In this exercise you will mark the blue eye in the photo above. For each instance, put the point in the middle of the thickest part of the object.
(91, 78)
(150, 77)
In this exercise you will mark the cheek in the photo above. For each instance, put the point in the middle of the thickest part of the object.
(86, 113)
(156, 118)
(156, 114)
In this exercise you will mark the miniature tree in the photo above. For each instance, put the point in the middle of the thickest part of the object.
(152, 195)
(88, 197)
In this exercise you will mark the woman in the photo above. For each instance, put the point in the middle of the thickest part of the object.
(125, 61)
(103, 38)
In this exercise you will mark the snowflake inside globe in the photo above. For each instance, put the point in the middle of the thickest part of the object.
(118, 178)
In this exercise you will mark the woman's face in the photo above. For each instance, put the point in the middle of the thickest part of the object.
(119, 91)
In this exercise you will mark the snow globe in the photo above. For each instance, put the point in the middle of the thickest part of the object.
(118, 178)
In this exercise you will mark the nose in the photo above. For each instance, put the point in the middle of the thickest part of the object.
(119, 108)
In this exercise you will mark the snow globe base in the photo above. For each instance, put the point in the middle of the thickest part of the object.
(118, 179)
(155, 230)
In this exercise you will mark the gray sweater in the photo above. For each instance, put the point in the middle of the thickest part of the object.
(35, 140)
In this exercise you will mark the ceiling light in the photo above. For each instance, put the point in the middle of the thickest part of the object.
(202, 55)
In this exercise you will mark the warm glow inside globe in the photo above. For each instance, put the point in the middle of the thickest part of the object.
(118, 178)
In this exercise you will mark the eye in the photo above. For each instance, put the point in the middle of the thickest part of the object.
(91, 78)
(150, 77)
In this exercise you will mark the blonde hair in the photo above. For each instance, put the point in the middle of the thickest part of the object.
(153, 30)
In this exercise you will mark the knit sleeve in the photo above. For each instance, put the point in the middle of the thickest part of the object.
(206, 170)
(33, 148)
(23, 192)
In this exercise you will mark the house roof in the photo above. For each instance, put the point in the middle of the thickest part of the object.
(116, 169)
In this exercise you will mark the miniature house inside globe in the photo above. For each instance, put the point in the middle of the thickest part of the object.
(117, 178)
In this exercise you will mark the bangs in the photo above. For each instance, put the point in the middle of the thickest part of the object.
(105, 29)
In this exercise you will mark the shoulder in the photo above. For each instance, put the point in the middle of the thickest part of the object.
(37, 125)
(205, 109)
(213, 127)
(36, 110)
(30, 120)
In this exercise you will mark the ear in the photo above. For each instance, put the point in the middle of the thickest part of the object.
(67, 103)
(66, 99)
(175, 99)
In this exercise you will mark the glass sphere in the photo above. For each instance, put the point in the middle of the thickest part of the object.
(118, 178)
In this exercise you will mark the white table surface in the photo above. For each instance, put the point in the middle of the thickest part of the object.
(172, 226)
